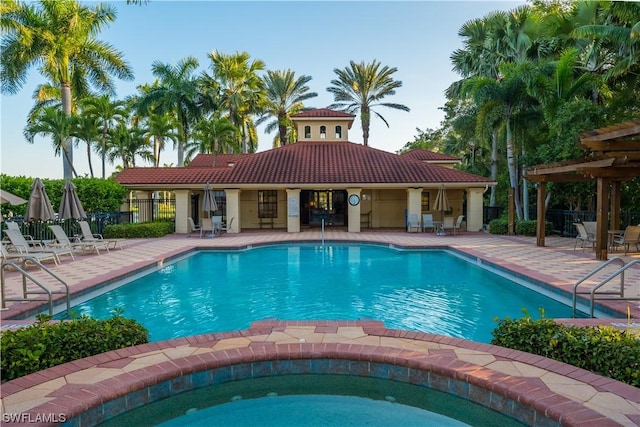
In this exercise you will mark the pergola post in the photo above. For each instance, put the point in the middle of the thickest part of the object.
(541, 214)
(602, 218)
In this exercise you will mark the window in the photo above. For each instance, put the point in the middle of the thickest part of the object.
(425, 201)
(307, 132)
(323, 132)
(338, 132)
(268, 204)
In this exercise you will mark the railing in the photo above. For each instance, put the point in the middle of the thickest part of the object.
(563, 220)
(44, 290)
(619, 294)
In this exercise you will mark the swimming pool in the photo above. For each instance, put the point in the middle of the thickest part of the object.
(423, 290)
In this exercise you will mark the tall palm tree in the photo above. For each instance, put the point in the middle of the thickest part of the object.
(127, 143)
(107, 112)
(158, 129)
(284, 96)
(55, 123)
(361, 87)
(176, 93)
(241, 91)
(213, 136)
(58, 37)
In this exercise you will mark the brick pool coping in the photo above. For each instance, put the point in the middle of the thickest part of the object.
(530, 388)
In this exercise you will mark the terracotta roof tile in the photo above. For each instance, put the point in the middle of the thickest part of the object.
(426, 155)
(215, 160)
(323, 112)
(311, 162)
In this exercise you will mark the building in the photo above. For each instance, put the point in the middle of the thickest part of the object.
(322, 178)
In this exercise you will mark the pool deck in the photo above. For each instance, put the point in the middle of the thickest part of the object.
(571, 395)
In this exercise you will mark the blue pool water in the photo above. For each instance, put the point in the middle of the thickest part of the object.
(422, 290)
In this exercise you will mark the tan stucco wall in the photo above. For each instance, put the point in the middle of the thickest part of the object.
(315, 129)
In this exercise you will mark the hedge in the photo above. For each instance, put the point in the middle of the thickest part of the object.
(523, 228)
(141, 230)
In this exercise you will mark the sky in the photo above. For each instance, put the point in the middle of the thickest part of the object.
(310, 38)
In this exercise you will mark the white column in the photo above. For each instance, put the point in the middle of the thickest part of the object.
(293, 210)
(353, 211)
(474, 209)
(183, 202)
(233, 209)
(414, 202)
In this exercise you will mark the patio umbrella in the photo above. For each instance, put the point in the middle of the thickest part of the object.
(70, 205)
(6, 197)
(442, 201)
(209, 203)
(39, 206)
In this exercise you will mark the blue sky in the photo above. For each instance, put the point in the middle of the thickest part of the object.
(310, 38)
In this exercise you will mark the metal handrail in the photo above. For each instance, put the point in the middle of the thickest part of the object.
(25, 293)
(597, 269)
(619, 272)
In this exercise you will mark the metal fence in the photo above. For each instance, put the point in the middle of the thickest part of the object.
(144, 210)
(40, 230)
(563, 220)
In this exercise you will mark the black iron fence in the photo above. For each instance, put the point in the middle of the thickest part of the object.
(563, 220)
(143, 210)
(40, 230)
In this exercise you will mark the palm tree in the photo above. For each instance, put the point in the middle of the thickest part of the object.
(176, 93)
(160, 128)
(107, 112)
(127, 143)
(284, 97)
(241, 91)
(55, 123)
(213, 136)
(58, 37)
(87, 129)
(360, 87)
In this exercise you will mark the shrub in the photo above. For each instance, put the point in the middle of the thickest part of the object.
(523, 228)
(144, 229)
(43, 344)
(603, 350)
(499, 226)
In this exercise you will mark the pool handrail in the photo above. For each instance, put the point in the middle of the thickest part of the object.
(591, 290)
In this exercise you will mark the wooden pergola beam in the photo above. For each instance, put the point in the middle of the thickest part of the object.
(611, 145)
(558, 178)
(613, 173)
(570, 167)
(616, 133)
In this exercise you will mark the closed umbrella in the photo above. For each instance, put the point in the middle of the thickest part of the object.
(442, 202)
(39, 206)
(6, 197)
(209, 203)
(70, 205)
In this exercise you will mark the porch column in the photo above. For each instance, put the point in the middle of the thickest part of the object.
(541, 214)
(475, 203)
(353, 209)
(183, 203)
(602, 219)
(293, 210)
(414, 202)
(233, 209)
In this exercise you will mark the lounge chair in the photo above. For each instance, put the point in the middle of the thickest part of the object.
(413, 222)
(193, 228)
(20, 245)
(630, 237)
(25, 257)
(427, 222)
(89, 236)
(63, 241)
(584, 236)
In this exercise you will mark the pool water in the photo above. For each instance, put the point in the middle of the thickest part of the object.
(422, 290)
(313, 400)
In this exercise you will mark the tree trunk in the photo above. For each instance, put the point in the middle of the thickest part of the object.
(525, 195)
(494, 165)
(365, 119)
(282, 127)
(105, 130)
(89, 159)
(67, 145)
(513, 175)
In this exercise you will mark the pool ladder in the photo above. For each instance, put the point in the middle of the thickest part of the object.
(323, 232)
(44, 289)
(609, 295)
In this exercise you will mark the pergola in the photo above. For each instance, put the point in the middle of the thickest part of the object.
(613, 156)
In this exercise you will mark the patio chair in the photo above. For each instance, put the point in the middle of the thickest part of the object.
(25, 257)
(458, 224)
(12, 225)
(63, 241)
(427, 222)
(89, 236)
(216, 222)
(630, 237)
(193, 228)
(228, 226)
(583, 237)
(413, 222)
(449, 224)
(207, 226)
(20, 245)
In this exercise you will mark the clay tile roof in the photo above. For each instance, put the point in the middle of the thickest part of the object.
(215, 160)
(323, 112)
(426, 155)
(311, 162)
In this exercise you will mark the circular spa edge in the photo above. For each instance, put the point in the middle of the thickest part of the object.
(89, 391)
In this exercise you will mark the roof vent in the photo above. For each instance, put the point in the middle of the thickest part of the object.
(231, 164)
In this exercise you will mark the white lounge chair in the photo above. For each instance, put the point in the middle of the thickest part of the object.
(63, 241)
(90, 236)
(583, 237)
(27, 256)
(20, 245)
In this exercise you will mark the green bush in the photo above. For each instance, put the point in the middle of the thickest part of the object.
(523, 228)
(603, 350)
(43, 344)
(144, 229)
